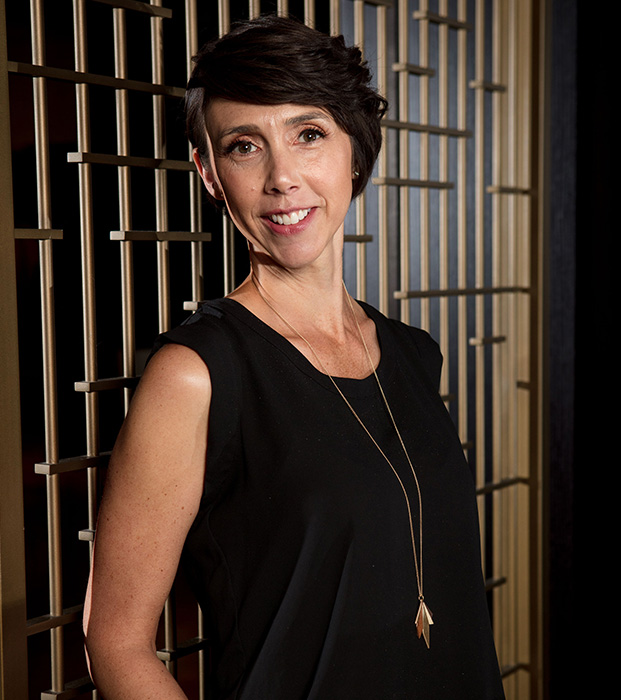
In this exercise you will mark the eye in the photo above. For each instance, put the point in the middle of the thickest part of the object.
(241, 147)
(310, 135)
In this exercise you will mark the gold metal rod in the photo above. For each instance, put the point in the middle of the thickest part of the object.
(224, 17)
(153, 9)
(425, 15)
(48, 344)
(83, 77)
(413, 69)
(427, 128)
(503, 484)
(424, 156)
(45, 623)
(184, 648)
(507, 670)
(86, 229)
(87, 535)
(72, 690)
(488, 340)
(499, 189)
(70, 464)
(335, 17)
(105, 384)
(163, 265)
(136, 161)
(254, 8)
(202, 656)
(486, 85)
(460, 292)
(443, 202)
(492, 583)
(361, 221)
(479, 263)
(405, 182)
(55, 580)
(228, 231)
(125, 214)
(382, 166)
(500, 430)
(161, 185)
(462, 229)
(194, 181)
(187, 236)
(170, 630)
(355, 238)
(40, 234)
(309, 13)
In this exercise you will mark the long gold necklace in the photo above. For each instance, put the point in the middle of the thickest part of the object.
(423, 618)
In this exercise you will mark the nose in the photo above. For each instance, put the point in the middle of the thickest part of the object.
(282, 175)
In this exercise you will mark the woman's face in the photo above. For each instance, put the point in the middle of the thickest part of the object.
(285, 173)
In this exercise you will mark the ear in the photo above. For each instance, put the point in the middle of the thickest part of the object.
(208, 177)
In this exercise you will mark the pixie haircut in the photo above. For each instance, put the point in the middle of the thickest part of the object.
(276, 60)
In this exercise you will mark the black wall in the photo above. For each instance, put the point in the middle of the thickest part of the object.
(581, 362)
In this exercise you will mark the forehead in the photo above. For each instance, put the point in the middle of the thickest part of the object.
(225, 117)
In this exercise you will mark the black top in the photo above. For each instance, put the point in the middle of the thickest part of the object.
(300, 555)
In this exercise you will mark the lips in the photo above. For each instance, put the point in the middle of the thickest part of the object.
(292, 217)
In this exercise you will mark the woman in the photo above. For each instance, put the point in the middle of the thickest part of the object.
(317, 516)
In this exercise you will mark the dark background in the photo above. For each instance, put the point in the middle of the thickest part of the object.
(581, 260)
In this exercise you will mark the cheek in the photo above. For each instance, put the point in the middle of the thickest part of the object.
(239, 191)
(341, 179)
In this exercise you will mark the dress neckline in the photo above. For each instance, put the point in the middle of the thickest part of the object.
(349, 385)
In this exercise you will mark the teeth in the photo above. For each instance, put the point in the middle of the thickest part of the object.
(293, 217)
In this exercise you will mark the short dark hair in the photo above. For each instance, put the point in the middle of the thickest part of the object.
(277, 60)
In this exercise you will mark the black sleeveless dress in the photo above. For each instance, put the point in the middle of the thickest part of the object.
(300, 555)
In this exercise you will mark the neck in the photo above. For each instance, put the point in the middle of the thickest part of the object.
(314, 297)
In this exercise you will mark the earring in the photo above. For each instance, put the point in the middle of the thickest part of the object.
(355, 174)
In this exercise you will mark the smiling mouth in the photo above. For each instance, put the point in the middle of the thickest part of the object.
(293, 217)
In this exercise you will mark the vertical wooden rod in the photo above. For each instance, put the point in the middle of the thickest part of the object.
(194, 181)
(462, 226)
(161, 188)
(403, 24)
(125, 214)
(335, 17)
(48, 344)
(361, 227)
(423, 59)
(382, 85)
(443, 233)
(479, 253)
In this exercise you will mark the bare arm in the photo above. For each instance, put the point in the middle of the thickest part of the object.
(152, 494)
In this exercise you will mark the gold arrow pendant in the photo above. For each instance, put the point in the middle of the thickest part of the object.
(423, 621)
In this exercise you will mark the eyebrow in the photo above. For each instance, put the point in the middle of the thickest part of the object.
(292, 121)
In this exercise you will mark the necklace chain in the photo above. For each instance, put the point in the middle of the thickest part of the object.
(423, 617)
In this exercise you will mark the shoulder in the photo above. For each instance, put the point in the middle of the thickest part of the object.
(414, 342)
(207, 332)
(204, 355)
(426, 348)
(174, 392)
(175, 367)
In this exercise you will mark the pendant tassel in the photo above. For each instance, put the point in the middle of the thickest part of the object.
(423, 621)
